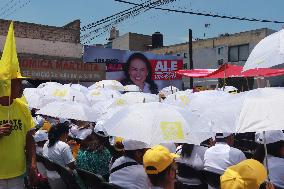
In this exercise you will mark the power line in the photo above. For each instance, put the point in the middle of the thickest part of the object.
(94, 24)
(8, 7)
(208, 14)
(12, 9)
(20, 7)
(118, 16)
(130, 14)
(7, 4)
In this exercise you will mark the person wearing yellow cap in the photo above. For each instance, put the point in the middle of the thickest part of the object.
(16, 141)
(160, 167)
(127, 171)
(248, 174)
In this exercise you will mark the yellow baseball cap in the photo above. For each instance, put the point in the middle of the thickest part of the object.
(248, 174)
(118, 144)
(157, 159)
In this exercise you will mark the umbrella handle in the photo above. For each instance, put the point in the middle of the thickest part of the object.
(265, 151)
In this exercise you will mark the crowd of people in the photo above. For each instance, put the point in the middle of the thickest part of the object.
(133, 164)
(80, 145)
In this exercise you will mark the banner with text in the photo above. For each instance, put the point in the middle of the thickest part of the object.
(64, 70)
(163, 66)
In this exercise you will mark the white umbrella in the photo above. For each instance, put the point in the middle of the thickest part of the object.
(79, 87)
(37, 100)
(153, 123)
(103, 106)
(131, 88)
(69, 110)
(133, 98)
(180, 98)
(168, 91)
(109, 84)
(42, 85)
(252, 111)
(262, 110)
(70, 94)
(48, 90)
(96, 95)
(210, 111)
(267, 53)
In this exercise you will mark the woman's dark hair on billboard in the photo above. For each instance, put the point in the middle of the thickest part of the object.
(127, 81)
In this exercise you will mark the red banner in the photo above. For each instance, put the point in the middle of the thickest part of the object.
(165, 69)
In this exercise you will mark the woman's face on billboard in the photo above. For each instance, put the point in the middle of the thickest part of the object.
(138, 72)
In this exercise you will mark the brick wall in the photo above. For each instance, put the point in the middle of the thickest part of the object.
(45, 40)
(69, 33)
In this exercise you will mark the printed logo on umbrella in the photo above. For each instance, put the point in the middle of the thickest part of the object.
(172, 131)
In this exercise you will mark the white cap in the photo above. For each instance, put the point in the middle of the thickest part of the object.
(270, 136)
(82, 134)
(229, 89)
(62, 120)
(134, 144)
(222, 135)
(39, 121)
(100, 130)
(41, 135)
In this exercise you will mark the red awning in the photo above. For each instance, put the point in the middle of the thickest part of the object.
(229, 70)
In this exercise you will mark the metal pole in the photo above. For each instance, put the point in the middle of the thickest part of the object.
(265, 152)
(190, 56)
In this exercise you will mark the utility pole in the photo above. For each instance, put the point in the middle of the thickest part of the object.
(190, 56)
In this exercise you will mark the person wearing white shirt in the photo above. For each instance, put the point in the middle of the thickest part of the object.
(275, 155)
(192, 156)
(222, 155)
(40, 138)
(128, 171)
(58, 151)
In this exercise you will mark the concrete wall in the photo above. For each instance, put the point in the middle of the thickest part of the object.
(121, 42)
(49, 48)
(45, 40)
(139, 42)
(132, 41)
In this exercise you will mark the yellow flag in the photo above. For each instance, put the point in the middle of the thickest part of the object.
(9, 64)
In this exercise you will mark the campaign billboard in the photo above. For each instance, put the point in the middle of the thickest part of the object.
(162, 66)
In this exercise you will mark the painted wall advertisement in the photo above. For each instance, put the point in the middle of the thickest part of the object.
(64, 70)
(163, 66)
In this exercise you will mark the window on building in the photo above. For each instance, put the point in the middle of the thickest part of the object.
(243, 52)
(238, 53)
(220, 50)
(184, 66)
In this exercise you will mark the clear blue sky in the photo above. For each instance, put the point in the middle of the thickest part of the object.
(174, 26)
